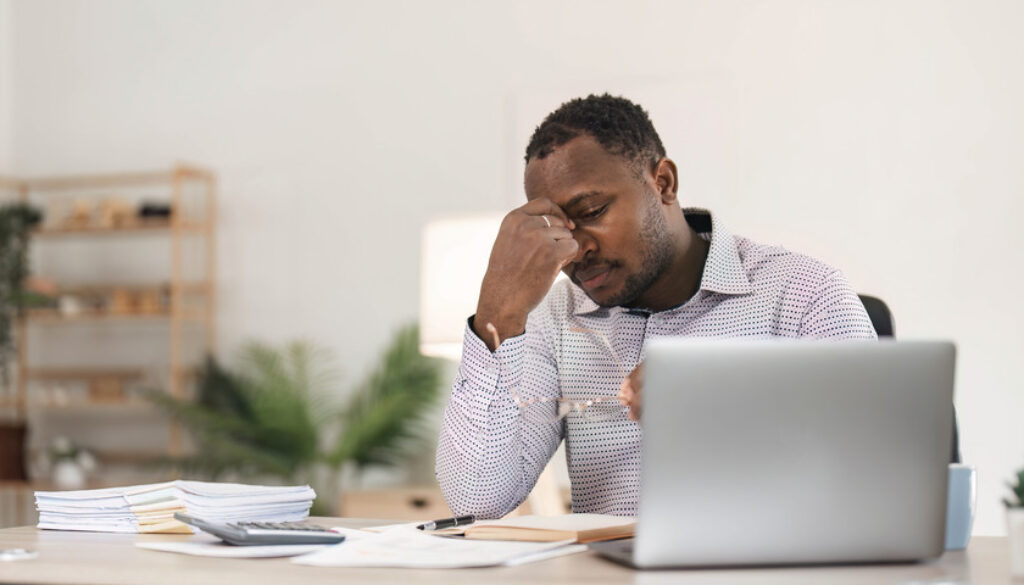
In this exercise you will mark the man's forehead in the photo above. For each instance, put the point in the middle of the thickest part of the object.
(578, 166)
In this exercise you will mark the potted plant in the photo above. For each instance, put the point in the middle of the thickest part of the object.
(1015, 524)
(16, 221)
(275, 416)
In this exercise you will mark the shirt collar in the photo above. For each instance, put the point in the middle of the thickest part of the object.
(723, 270)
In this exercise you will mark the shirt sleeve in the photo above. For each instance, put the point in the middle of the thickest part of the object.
(488, 456)
(835, 312)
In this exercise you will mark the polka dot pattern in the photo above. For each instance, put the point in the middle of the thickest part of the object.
(489, 457)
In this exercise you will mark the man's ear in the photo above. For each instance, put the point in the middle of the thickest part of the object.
(666, 178)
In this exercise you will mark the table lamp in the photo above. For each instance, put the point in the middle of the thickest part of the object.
(455, 254)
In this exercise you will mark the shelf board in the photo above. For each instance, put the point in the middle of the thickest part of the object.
(194, 287)
(125, 407)
(55, 316)
(153, 226)
(52, 316)
(183, 171)
(8, 402)
(57, 374)
(111, 457)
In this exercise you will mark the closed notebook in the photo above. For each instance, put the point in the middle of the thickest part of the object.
(582, 528)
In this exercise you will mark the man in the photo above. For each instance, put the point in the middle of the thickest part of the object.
(602, 208)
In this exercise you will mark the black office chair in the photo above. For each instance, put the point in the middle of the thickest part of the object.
(881, 320)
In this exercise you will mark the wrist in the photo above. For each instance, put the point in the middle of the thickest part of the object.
(506, 325)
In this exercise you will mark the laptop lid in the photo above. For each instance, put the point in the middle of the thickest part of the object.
(781, 452)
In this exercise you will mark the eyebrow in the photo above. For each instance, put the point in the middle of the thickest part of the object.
(580, 197)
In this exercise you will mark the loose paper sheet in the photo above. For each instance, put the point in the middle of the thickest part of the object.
(220, 549)
(405, 546)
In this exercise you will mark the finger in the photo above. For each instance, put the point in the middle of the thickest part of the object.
(566, 250)
(559, 233)
(545, 206)
(625, 391)
(635, 406)
(546, 220)
(625, 397)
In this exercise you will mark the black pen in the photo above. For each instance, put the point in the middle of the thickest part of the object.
(447, 523)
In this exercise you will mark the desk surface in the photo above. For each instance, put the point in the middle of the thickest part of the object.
(112, 559)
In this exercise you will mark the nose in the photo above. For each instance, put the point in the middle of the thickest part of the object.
(587, 244)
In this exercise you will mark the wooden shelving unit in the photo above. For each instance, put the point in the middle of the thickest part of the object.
(185, 300)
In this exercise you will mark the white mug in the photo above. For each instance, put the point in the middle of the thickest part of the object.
(960, 504)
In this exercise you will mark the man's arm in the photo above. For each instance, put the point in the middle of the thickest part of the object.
(836, 312)
(488, 457)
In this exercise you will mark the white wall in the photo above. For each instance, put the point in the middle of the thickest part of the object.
(883, 137)
(6, 62)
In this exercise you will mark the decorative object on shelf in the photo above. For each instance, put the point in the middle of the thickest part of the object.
(274, 417)
(106, 389)
(69, 464)
(150, 302)
(152, 210)
(106, 213)
(40, 292)
(80, 216)
(122, 302)
(1015, 524)
(115, 213)
(69, 305)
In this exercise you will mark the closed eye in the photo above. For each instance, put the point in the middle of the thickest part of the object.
(593, 213)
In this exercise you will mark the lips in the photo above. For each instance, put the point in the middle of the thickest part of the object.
(592, 276)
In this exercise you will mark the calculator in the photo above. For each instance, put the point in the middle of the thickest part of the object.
(257, 533)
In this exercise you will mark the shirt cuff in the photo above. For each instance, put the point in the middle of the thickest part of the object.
(484, 367)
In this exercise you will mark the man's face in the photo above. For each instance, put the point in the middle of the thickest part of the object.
(624, 244)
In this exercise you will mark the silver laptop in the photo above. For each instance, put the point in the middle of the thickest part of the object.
(765, 453)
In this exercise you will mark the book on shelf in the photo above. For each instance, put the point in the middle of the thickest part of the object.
(150, 508)
(581, 528)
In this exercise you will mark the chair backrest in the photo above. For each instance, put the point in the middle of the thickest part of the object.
(881, 320)
(879, 313)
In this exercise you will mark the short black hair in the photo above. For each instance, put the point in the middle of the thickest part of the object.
(620, 126)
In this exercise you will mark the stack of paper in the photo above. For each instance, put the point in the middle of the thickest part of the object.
(151, 508)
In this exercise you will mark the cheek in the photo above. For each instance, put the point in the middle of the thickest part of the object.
(618, 239)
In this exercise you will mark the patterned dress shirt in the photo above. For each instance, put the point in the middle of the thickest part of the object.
(489, 455)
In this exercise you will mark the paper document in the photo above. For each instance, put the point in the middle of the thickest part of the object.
(222, 550)
(151, 507)
(407, 547)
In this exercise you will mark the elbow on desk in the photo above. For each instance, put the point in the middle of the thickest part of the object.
(466, 495)
(463, 502)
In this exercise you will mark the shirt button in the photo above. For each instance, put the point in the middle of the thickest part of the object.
(492, 368)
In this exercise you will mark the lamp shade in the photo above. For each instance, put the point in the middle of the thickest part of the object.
(455, 254)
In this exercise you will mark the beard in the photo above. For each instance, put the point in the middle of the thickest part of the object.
(655, 245)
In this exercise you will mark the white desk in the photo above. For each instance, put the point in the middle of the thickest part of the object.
(112, 559)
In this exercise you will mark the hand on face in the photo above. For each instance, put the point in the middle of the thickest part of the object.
(630, 392)
(534, 243)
